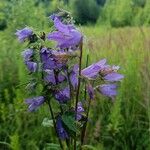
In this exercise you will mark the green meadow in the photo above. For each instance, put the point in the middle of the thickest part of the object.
(122, 124)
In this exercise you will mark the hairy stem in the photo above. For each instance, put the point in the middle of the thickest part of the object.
(78, 88)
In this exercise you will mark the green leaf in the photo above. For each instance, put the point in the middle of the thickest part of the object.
(52, 146)
(47, 122)
(88, 147)
(69, 121)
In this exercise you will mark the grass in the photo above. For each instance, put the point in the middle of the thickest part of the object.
(120, 125)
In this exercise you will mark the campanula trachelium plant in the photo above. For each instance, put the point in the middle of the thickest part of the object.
(59, 70)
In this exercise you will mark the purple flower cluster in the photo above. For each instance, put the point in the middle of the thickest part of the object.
(61, 79)
(107, 74)
(66, 36)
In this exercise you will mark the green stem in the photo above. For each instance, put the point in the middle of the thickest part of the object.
(53, 118)
(78, 88)
(85, 125)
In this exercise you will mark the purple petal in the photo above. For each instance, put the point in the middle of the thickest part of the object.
(113, 77)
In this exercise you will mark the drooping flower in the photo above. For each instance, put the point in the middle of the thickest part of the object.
(32, 66)
(24, 34)
(34, 102)
(27, 54)
(63, 95)
(90, 91)
(62, 133)
(66, 36)
(74, 76)
(109, 90)
(80, 110)
(93, 70)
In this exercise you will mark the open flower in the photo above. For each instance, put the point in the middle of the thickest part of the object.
(109, 90)
(63, 95)
(23, 34)
(66, 36)
(62, 133)
(93, 70)
(34, 102)
(32, 66)
(27, 54)
(50, 77)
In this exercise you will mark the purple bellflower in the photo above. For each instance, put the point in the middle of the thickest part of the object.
(50, 77)
(27, 54)
(62, 133)
(32, 66)
(93, 70)
(66, 36)
(53, 59)
(63, 95)
(24, 34)
(34, 103)
(108, 90)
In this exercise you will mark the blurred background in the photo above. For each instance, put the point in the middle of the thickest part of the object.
(118, 30)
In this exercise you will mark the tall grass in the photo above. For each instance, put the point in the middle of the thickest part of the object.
(123, 124)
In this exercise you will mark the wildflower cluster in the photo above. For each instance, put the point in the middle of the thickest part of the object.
(59, 71)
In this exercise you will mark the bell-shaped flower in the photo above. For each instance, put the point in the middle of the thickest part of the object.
(24, 34)
(109, 90)
(66, 35)
(27, 54)
(34, 102)
(32, 66)
(50, 77)
(93, 70)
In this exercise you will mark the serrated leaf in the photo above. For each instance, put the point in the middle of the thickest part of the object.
(69, 121)
(52, 146)
(47, 122)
